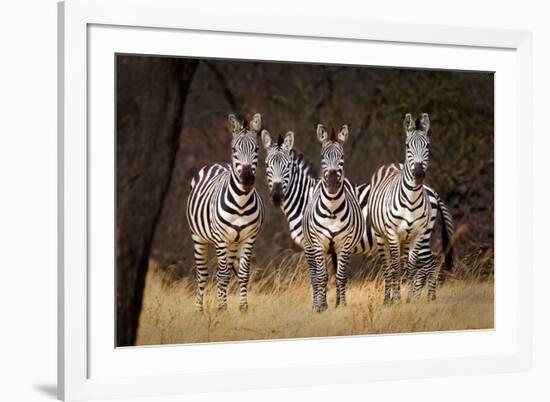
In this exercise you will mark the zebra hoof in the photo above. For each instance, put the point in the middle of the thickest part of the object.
(341, 303)
(320, 308)
(243, 308)
(222, 307)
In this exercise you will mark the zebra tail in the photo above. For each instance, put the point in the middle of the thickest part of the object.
(446, 238)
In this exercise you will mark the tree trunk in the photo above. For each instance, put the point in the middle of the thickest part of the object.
(151, 92)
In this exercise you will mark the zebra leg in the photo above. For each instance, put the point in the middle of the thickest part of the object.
(341, 278)
(201, 270)
(395, 268)
(222, 275)
(430, 273)
(429, 266)
(411, 273)
(322, 279)
(383, 253)
(426, 268)
(420, 281)
(244, 272)
(311, 263)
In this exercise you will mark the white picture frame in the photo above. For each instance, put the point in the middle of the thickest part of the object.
(89, 365)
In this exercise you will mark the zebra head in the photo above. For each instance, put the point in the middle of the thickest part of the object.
(332, 157)
(417, 146)
(278, 165)
(244, 149)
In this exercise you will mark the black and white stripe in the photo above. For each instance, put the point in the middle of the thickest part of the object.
(333, 222)
(403, 211)
(225, 210)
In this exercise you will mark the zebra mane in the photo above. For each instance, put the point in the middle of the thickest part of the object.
(246, 121)
(299, 157)
(333, 136)
(280, 141)
(417, 123)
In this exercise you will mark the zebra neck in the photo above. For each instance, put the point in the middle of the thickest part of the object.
(332, 203)
(300, 184)
(409, 187)
(239, 194)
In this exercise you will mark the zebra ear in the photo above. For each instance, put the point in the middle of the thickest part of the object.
(343, 134)
(321, 133)
(289, 141)
(408, 124)
(425, 122)
(233, 124)
(256, 123)
(266, 139)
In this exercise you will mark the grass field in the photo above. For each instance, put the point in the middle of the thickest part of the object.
(280, 307)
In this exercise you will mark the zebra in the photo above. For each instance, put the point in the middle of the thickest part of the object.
(402, 212)
(225, 210)
(290, 180)
(333, 222)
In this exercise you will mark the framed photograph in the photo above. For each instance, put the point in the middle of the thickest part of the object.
(294, 200)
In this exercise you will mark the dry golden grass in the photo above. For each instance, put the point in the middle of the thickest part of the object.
(280, 307)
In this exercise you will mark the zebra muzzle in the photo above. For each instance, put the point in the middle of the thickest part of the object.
(332, 182)
(247, 177)
(277, 194)
(419, 173)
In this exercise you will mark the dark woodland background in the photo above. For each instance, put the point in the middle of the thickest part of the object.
(171, 120)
